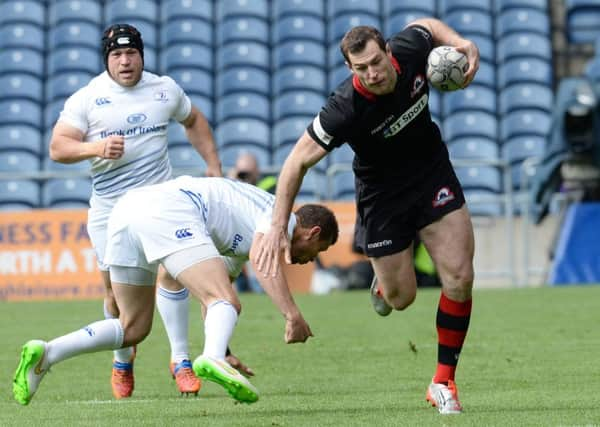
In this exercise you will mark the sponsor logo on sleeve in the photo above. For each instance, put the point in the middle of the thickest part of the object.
(320, 132)
(183, 233)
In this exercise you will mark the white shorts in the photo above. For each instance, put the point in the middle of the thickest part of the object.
(97, 225)
(138, 239)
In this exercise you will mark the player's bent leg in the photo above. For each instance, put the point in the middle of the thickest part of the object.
(134, 291)
(395, 284)
(33, 365)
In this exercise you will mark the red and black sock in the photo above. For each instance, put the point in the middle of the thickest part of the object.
(452, 323)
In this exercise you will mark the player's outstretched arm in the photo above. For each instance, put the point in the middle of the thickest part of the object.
(296, 328)
(66, 145)
(198, 132)
(303, 156)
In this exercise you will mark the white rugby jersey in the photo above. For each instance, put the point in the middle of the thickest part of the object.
(232, 212)
(141, 114)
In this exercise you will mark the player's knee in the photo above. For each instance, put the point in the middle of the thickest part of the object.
(135, 334)
(399, 300)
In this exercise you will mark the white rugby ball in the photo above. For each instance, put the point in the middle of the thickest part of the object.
(446, 68)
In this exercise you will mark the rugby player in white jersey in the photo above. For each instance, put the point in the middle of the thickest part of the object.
(188, 225)
(119, 123)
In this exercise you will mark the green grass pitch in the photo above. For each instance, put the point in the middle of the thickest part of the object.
(531, 358)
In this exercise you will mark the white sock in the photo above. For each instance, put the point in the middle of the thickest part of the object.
(174, 309)
(221, 318)
(122, 355)
(101, 335)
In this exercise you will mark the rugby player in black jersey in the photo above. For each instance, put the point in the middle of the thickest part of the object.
(405, 183)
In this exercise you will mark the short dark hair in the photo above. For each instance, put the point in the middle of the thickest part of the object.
(356, 39)
(311, 215)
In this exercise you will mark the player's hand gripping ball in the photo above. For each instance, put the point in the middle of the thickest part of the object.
(446, 68)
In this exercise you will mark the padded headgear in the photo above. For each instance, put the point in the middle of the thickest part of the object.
(119, 36)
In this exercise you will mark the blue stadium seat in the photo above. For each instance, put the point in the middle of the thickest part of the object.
(22, 11)
(281, 153)
(75, 11)
(303, 27)
(243, 79)
(248, 54)
(229, 8)
(435, 102)
(126, 11)
(299, 77)
(526, 95)
(75, 58)
(502, 5)
(243, 131)
(517, 150)
(474, 148)
(525, 122)
(243, 105)
(186, 9)
(176, 135)
(22, 61)
(486, 75)
(72, 33)
(342, 155)
(525, 70)
(313, 187)
(583, 21)
(470, 123)
(19, 194)
(18, 85)
(487, 47)
(63, 85)
(243, 29)
(21, 35)
(186, 31)
(186, 157)
(527, 45)
(194, 81)
(287, 131)
(52, 111)
(20, 137)
(68, 193)
(469, 22)
(151, 60)
(186, 55)
(283, 8)
(396, 22)
(344, 7)
(342, 23)
(449, 6)
(230, 154)
(205, 105)
(427, 7)
(483, 203)
(343, 186)
(19, 161)
(592, 70)
(20, 111)
(518, 20)
(297, 103)
(299, 52)
(480, 178)
(474, 97)
(335, 59)
(337, 75)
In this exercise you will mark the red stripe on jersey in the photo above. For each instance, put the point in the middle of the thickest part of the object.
(450, 337)
(455, 308)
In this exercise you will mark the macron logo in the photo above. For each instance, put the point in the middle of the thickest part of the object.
(183, 233)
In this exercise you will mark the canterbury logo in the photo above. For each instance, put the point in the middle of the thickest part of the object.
(182, 233)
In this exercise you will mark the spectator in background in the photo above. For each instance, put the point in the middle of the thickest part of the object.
(247, 169)
(405, 183)
(118, 122)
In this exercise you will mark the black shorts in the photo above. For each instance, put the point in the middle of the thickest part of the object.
(387, 220)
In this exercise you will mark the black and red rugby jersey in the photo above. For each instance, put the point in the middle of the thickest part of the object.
(393, 135)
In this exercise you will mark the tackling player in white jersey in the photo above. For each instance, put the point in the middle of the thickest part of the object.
(119, 123)
(187, 225)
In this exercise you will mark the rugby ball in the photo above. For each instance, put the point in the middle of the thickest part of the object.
(446, 68)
